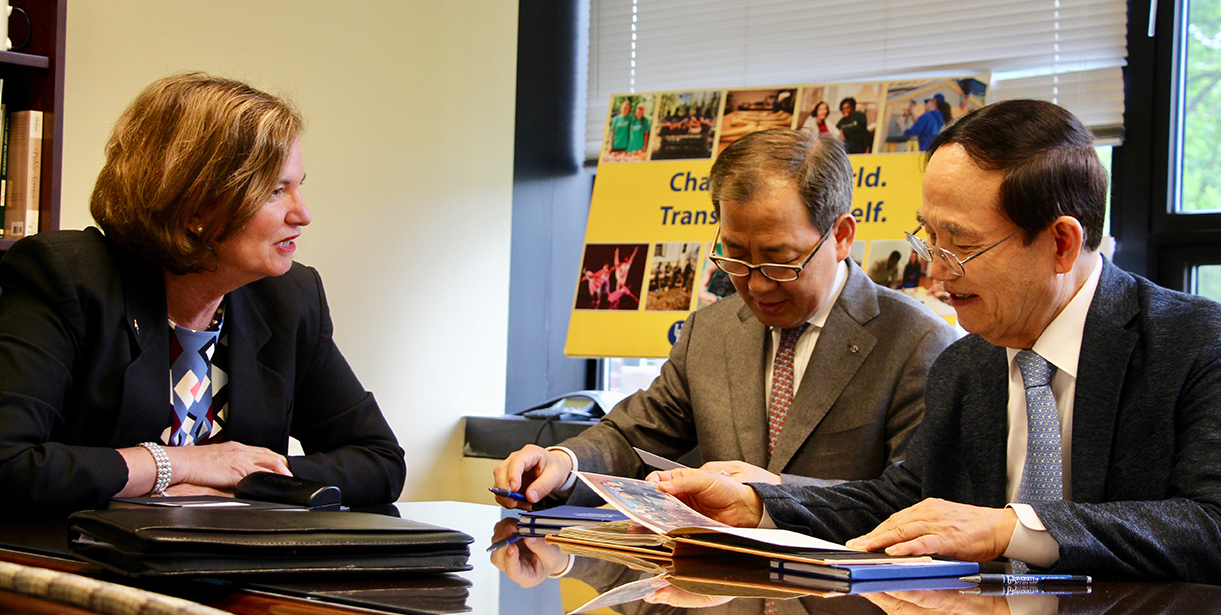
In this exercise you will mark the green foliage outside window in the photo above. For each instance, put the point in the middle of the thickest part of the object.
(1201, 178)
(1208, 281)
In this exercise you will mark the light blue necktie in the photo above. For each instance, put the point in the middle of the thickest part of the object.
(1042, 475)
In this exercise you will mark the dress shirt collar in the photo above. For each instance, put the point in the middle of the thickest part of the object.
(1060, 342)
(820, 317)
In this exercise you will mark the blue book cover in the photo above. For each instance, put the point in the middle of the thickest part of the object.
(562, 516)
(866, 587)
(868, 572)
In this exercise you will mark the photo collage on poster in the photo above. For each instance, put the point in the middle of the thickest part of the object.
(869, 117)
(875, 117)
(638, 276)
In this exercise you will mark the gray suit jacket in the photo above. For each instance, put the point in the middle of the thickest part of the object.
(1146, 482)
(860, 398)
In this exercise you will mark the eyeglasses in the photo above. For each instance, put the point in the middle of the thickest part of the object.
(772, 271)
(926, 251)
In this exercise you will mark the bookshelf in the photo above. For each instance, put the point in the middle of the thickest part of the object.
(34, 79)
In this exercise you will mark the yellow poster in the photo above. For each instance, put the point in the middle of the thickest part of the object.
(644, 266)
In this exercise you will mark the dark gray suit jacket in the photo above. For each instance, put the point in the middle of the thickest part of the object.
(1146, 480)
(84, 370)
(860, 399)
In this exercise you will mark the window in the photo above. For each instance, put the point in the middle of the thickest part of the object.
(629, 375)
(1207, 281)
(1200, 184)
(1167, 194)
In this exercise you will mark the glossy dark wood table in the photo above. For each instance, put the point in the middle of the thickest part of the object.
(487, 590)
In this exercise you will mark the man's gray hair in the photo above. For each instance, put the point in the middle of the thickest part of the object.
(819, 167)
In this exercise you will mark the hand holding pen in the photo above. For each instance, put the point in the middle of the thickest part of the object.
(505, 493)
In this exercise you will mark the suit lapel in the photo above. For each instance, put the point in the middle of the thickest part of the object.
(1106, 348)
(256, 399)
(985, 420)
(145, 408)
(843, 345)
(745, 358)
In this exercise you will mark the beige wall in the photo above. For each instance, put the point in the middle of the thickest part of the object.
(409, 156)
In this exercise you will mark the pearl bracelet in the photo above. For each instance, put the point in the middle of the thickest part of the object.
(165, 472)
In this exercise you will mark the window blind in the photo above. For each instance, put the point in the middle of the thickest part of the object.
(1066, 51)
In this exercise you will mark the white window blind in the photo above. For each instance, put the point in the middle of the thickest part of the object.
(1066, 51)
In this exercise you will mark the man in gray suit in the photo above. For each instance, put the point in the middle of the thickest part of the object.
(782, 198)
(1120, 475)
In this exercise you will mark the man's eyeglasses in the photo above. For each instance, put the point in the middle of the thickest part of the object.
(771, 271)
(926, 251)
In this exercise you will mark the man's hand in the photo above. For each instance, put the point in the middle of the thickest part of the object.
(534, 471)
(528, 561)
(683, 599)
(960, 531)
(742, 472)
(716, 496)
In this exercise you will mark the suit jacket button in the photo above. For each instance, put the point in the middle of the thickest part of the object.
(853, 348)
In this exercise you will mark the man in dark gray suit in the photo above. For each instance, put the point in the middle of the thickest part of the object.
(1014, 198)
(784, 233)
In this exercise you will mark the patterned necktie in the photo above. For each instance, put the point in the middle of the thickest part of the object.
(782, 384)
(191, 385)
(1042, 480)
(1042, 475)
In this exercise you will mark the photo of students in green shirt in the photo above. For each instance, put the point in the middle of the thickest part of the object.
(620, 126)
(638, 133)
(628, 130)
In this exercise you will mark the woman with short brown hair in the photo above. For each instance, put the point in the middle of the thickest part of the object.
(200, 202)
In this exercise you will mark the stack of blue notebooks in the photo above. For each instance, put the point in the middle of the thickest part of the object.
(846, 577)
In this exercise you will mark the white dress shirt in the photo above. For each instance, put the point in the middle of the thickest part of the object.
(1060, 344)
(805, 343)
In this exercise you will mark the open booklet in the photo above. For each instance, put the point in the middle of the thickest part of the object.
(661, 524)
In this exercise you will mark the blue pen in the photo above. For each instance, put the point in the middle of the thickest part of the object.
(504, 542)
(505, 493)
(1026, 590)
(1028, 579)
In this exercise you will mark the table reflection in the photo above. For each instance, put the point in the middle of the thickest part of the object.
(738, 586)
(529, 576)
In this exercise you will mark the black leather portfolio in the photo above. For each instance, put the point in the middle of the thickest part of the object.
(163, 541)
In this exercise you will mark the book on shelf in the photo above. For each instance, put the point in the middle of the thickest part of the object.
(565, 516)
(660, 524)
(3, 160)
(24, 173)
